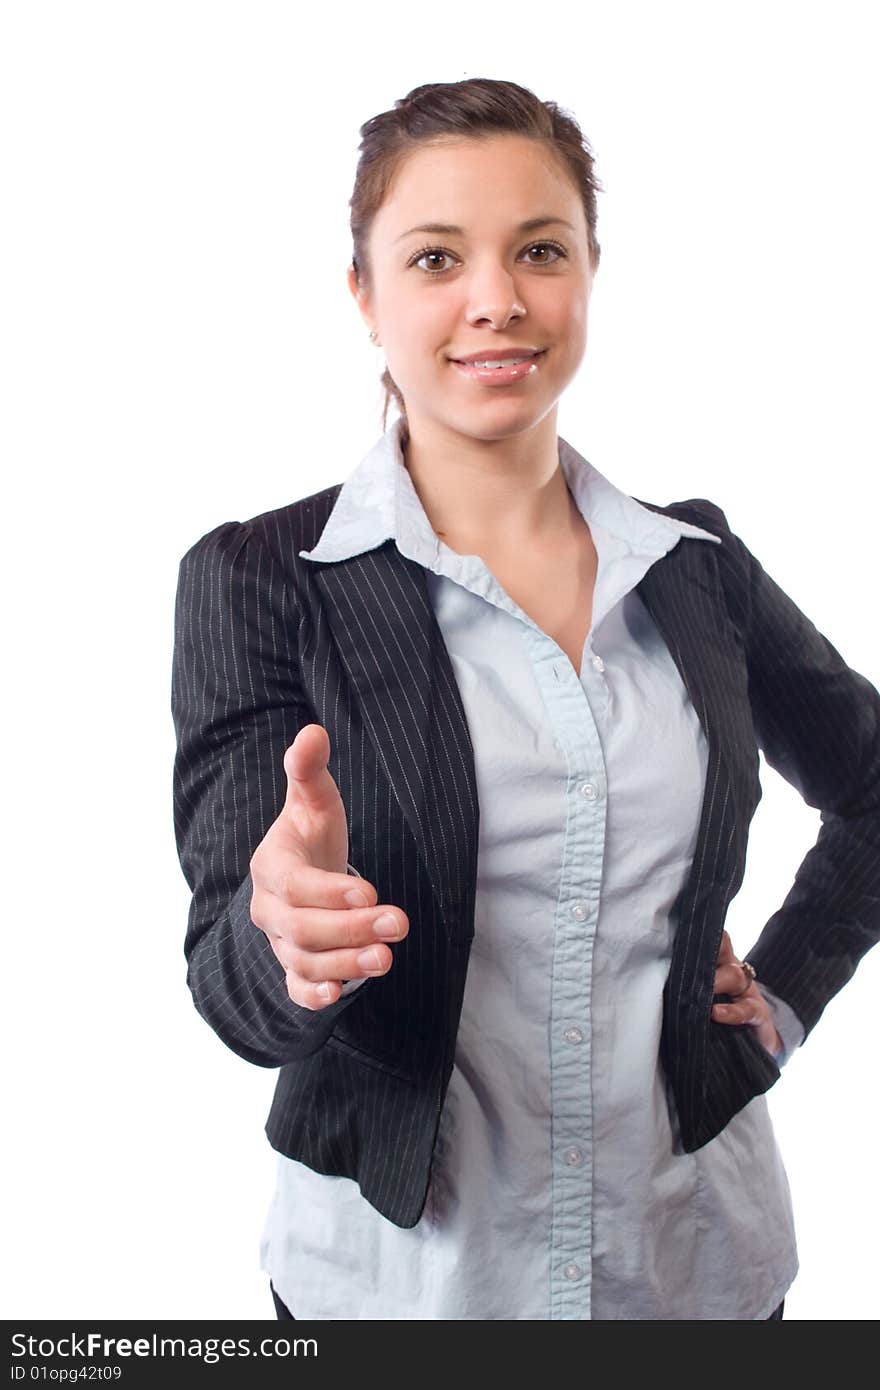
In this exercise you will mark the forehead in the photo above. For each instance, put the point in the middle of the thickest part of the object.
(477, 182)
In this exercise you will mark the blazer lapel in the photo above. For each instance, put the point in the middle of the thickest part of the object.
(391, 646)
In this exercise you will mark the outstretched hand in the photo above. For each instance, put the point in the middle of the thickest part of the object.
(749, 1006)
(324, 926)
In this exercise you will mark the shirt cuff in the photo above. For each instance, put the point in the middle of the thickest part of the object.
(788, 1025)
(349, 986)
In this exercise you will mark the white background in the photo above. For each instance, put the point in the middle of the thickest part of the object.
(180, 349)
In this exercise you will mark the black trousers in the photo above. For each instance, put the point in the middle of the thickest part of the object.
(285, 1313)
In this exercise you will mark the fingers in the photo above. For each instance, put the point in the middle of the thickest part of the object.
(324, 932)
(753, 1010)
(314, 978)
(324, 985)
(317, 945)
(290, 878)
(731, 979)
(314, 966)
(745, 1010)
(748, 1004)
(310, 996)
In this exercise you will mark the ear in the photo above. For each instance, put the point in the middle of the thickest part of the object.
(360, 296)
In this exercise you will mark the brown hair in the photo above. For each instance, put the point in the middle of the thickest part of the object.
(474, 107)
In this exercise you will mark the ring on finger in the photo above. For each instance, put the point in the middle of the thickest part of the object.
(749, 975)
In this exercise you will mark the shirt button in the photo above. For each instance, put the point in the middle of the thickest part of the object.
(572, 1271)
(573, 1035)
(598, 663)
(579, 911)
(589, 790)
(573, 1157)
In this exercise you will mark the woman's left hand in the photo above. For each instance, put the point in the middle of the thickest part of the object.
(749, 1006)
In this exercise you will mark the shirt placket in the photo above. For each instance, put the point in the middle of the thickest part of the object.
(573, 714)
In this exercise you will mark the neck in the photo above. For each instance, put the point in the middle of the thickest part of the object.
(506, 493)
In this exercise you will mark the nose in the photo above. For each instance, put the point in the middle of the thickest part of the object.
(492, 295)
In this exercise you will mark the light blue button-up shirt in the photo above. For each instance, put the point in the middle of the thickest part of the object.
(555, 1190)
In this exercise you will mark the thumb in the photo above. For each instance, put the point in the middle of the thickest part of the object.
(309, 783)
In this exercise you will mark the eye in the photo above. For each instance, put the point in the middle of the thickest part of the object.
(548, 245)
(429, 251)
(438, 251)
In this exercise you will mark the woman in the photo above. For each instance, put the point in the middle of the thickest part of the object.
(522, 1073)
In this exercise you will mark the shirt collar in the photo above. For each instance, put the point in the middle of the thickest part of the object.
(378, 502)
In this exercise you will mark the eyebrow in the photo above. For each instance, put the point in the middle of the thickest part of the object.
(449, 229)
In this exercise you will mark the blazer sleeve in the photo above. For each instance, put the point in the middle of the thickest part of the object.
(817, 721)
(237, 702)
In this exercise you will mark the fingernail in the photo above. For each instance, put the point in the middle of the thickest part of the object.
(386, 927)
(356, 897)
(324, 990)
(369, 959)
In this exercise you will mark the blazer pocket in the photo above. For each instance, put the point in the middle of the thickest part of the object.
(367, 1059)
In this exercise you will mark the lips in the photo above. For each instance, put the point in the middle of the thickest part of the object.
(520, 369)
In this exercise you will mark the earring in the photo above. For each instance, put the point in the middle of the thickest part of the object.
(372, 335)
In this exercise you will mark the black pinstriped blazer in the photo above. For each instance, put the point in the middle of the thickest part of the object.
(266, 642)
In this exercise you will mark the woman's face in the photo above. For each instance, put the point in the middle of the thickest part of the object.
(493, 283)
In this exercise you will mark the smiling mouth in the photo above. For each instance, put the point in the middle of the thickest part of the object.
(489, 364)
(507, 372)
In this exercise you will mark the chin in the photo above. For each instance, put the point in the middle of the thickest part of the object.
(501, 425)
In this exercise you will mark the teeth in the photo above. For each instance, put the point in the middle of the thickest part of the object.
(508, 362)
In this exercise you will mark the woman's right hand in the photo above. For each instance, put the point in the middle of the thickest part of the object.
(321, 922)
